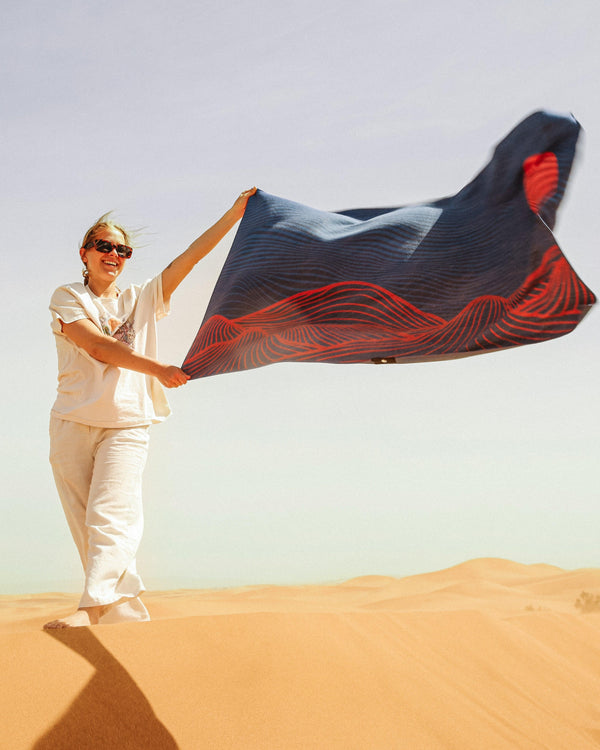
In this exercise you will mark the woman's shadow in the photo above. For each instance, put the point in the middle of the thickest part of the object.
(110, 712)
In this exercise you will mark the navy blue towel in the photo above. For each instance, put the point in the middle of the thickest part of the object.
(474, 272)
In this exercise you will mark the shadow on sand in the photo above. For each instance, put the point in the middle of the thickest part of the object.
(110, 712)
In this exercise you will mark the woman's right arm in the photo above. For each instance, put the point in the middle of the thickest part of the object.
(113, 352)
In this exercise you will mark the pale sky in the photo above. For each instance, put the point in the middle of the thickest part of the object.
(296, 473)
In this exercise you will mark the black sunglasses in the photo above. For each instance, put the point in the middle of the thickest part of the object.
(104, 246)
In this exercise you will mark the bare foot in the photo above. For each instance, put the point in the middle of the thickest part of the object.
(81, 618)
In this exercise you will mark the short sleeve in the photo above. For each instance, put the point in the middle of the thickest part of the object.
(65, 308)
(162, 308)
(148, 299)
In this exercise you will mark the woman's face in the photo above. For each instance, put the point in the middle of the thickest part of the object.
(103, 267)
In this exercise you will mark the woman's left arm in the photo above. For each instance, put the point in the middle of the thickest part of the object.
(176, 271)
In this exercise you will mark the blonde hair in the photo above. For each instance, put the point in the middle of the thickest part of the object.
(103, 222)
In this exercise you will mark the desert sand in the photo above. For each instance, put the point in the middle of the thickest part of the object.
(489, 654)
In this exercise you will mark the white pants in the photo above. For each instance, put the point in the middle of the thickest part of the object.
(98, 475)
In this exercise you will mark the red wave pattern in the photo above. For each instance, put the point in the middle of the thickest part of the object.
(540, 178)
(356, 322)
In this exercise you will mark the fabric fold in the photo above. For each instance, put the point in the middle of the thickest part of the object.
(475, 272)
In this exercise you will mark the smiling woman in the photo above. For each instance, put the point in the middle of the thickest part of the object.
(105, 236)
(109, 393)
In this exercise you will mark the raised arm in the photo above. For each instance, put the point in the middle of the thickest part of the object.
(178, 269)
(113, 352)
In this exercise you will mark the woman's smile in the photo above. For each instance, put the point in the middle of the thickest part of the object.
(103, 267)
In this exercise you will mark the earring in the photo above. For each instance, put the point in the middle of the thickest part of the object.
(86, 274)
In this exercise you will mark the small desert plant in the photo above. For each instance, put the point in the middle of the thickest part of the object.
(587, 602)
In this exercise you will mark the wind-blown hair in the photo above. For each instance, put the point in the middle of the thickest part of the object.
(102, 223)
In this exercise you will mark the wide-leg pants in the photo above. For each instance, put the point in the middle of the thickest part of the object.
(98, 475)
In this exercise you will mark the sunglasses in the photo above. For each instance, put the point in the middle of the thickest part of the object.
(104, 246)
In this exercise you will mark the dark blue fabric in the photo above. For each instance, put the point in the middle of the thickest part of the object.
(476, 271)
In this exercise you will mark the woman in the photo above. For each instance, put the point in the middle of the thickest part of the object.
(109, 392)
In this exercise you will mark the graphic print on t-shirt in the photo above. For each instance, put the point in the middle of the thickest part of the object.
(125, 333)
(122, 331)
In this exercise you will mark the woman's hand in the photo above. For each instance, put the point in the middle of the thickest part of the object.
(106, 349)
(240, 204)
(172, 377)
(178, 269)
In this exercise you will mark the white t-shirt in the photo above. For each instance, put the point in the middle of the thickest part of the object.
(95, 393)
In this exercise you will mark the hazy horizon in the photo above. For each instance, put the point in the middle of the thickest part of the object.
(296, 473)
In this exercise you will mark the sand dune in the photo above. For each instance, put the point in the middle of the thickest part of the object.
(487, 654)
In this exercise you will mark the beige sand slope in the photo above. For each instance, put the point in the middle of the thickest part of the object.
(487, 655)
